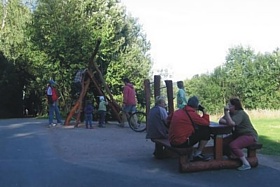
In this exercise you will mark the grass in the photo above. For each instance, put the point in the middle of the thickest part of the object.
(269, 131)
(267, 124)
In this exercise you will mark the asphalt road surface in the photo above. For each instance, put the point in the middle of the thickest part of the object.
(32, 155)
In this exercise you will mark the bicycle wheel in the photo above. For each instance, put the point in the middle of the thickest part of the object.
(137, 121)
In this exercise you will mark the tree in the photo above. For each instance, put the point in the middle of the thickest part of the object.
(65, 33)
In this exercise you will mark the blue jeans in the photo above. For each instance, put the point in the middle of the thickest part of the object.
(129, 108)
(88, 119)
(53, 108)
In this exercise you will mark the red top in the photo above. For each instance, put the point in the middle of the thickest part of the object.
(181, 127)
(129, 95)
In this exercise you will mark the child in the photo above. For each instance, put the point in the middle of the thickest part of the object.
(88, 114)
(102, 111)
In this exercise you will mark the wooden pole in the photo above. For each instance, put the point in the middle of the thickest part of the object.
(156, 86)
(112, 104)
(169, 87)
(116, 108)
(147, 91)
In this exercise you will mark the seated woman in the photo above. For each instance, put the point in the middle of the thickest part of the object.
(244, 134)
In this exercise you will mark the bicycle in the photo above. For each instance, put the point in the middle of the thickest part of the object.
(137, 121)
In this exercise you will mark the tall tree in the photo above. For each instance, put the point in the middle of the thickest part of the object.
(65, 33)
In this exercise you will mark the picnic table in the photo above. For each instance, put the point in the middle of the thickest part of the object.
(219, 161)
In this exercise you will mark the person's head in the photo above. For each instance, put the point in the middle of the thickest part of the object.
(193, 102)
(52, 83)
(235, 104)
(180, 84)
(160, 101)
(101, 98)
(126, 80)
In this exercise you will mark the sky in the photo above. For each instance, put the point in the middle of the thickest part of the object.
(193, 37)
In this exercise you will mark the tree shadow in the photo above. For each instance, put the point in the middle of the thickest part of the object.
(269, 147)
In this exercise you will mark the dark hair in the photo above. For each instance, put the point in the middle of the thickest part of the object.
(180, 84)
(126, 80)
(236, 103)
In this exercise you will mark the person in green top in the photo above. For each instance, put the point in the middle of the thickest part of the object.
(181, 95)
(243, 134)
(102, 111)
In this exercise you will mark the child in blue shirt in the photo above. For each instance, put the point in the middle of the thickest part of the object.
(88, 114)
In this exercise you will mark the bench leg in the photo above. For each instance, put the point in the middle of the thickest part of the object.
(251, 153)
(183, 163)
(158, 152)
(161, 152)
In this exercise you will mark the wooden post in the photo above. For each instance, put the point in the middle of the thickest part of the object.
(156, 86)
(169, 88)
(147, 91)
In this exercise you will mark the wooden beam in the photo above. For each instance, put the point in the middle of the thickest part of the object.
(156, 86)
(169, 88)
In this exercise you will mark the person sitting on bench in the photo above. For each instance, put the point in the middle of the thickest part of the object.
(244, 134)
(187, 128)
(156, 124)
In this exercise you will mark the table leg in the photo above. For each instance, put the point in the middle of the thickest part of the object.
(218, 146)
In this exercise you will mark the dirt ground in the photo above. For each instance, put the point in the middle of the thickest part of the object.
(86, 144)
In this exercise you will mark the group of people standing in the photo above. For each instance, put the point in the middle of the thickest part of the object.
(53, 96)
(128, 106)
(189, 125)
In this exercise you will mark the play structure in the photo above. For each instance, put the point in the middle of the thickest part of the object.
(95, 76)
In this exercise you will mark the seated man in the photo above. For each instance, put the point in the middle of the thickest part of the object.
(187, 128)
(156, 125)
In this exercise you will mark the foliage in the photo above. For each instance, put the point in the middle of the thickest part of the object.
(53, 39)
(254, 78)
(15, 67)
(10, 90)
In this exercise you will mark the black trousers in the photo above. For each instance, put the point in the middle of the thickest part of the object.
(201, 133)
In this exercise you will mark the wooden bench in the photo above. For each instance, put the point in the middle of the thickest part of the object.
(165, 143)
(185, 153)
(252, 150)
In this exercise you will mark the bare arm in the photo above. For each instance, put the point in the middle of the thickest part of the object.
(226, 118)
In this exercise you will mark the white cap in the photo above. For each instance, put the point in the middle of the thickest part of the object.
(101, 98)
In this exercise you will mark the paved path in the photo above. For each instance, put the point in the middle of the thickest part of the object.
(32, 155)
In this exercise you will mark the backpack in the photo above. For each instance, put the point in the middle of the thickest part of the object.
(54, 94)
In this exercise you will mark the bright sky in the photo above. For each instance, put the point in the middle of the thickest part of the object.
(193, 37)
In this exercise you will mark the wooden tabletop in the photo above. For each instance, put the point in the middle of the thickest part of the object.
(216, 128)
